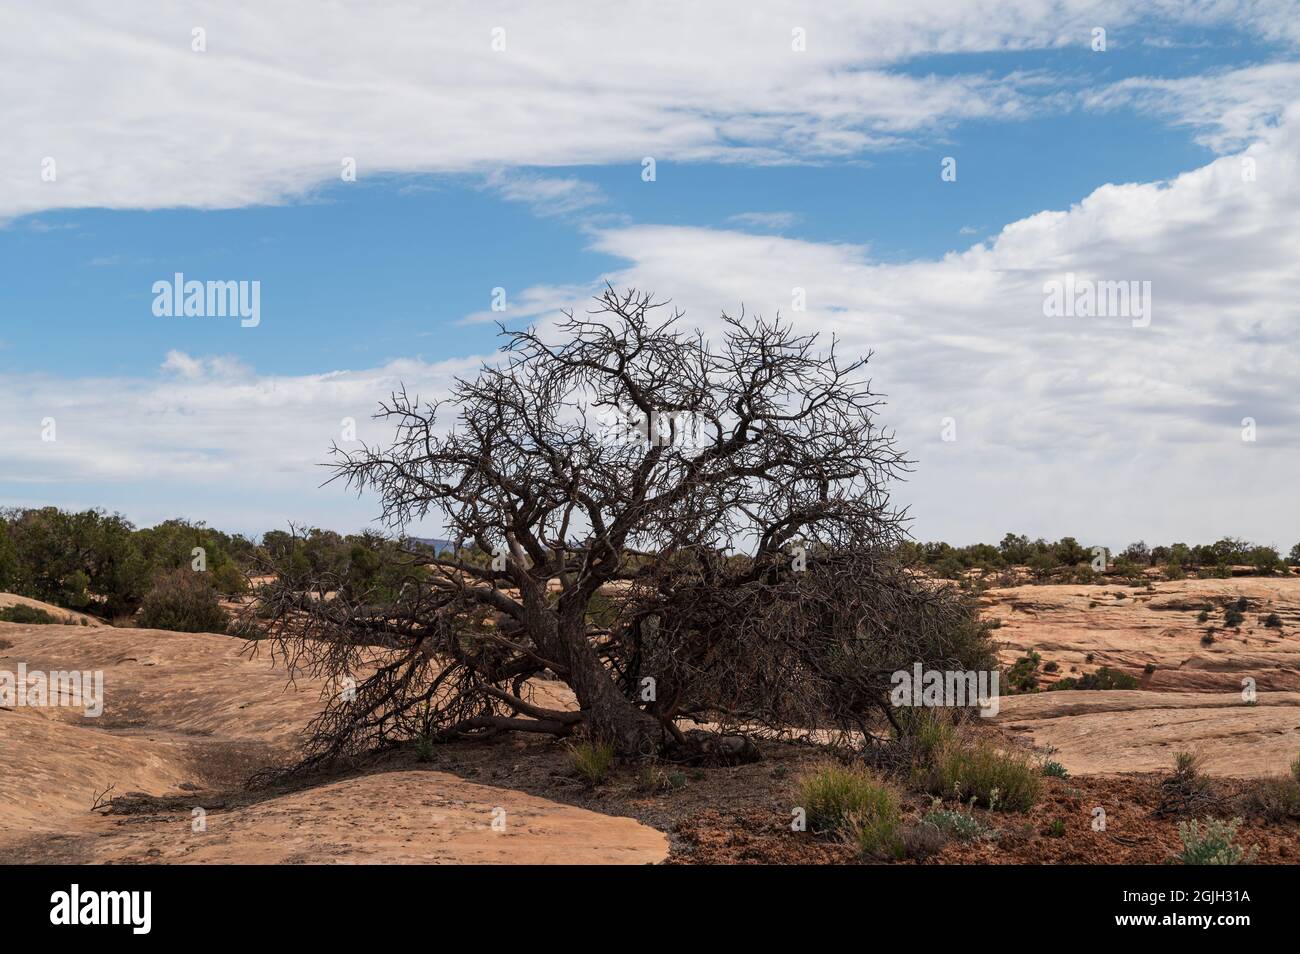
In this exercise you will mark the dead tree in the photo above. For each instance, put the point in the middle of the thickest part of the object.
(675, 528)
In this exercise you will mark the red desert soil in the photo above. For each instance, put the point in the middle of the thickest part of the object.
(188, 718)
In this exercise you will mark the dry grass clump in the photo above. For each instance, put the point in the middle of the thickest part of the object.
(1276, 798)
(955, 761)
(1187, 790)
(592, 761)
(994, 777)
(854, 804)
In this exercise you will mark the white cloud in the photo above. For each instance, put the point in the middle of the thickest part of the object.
(1077, 425)
(1228, 108)
(183, 365)
(208, 438)
(530, 304)
(1064, 425)
(1087, 426)
(276, 103)
(547, 195)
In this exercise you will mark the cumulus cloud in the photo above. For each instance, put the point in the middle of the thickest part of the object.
(1087, 424)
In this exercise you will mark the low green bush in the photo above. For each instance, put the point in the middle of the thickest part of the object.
(20, 613)
(1053, 769)
(1213, 843)
(960, 825)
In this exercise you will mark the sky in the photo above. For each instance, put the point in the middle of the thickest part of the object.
(911, 177)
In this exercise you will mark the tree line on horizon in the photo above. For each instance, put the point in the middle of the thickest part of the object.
(1070, 558)
(100, 563)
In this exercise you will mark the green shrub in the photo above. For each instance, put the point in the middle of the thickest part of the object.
(1233, 617)
(1273, 621)
(1187, 764)
(1023, 674)
(839, 798)
(20, 613)
(1057, 828)
(1104, 678)
(1187, 789)
(1107, 678)
(1213, 843)
(184, 601)
(74, 560)
(592, 760)
(979, 770)
(1053, 769)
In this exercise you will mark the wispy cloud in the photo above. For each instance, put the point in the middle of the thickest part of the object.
(771, 221)
(1228, 108)
(401, 88)
(547, 195)
(532, 304)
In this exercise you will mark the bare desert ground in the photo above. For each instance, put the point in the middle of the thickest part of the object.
(1189, 694)
(188, 717)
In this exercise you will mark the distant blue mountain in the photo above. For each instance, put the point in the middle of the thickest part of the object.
(438, 545)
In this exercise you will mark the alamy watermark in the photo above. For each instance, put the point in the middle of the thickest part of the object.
(680, 429)
(1085, 298)
(946, 688)
(179, 298)
(74, 906)
(39, 690)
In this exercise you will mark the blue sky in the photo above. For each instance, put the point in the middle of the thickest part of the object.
(471, 175)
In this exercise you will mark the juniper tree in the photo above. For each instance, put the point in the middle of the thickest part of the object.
(675, 527)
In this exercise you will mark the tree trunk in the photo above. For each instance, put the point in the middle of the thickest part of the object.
(610, 716)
